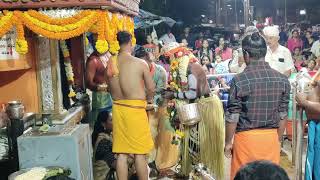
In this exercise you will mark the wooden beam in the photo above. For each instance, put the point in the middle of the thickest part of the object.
(109, 4)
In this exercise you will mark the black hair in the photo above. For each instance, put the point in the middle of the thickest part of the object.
(261, 170)
(202, 49)
(295, 30)
(141, 52)
(296, 48)
(98, 127)
(309, 33)
(254, 45)
(164, 59)
(124, 37)
(225, 45)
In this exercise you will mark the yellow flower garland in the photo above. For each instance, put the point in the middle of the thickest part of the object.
(21, 43)
(6, 22)
(58, 28)
(102, 44)
(51, 31)
(95, 21)
(59, 21)
(120, 24)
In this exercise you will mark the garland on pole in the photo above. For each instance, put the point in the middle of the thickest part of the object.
(105, 24)
(68, 67)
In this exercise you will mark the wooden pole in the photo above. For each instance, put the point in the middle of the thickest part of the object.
(294, 113)
(299, 144)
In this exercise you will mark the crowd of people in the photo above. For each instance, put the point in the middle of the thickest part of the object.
(257, 95)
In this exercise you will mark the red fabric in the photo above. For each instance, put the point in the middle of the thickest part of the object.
(225, 55)
(294, 43)
(152, 69)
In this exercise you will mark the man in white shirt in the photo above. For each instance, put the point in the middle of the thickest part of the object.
(315, 49)
(168, 37)
(278, 57)
(237, 65)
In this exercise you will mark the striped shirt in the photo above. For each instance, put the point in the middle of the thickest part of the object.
(259, 98)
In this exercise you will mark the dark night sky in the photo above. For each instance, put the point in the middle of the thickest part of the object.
(187, 10)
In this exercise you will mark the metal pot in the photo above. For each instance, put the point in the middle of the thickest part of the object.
(15, 110)
(189, 114)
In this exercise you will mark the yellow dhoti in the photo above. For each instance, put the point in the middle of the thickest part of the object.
(131, 131)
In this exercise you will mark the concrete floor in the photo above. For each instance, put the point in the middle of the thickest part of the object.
(286, 161)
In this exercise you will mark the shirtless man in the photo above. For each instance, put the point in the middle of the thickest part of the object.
(311, 104)
(95, 81)
(131, 88)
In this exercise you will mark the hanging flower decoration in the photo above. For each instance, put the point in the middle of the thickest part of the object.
(130, 26)
(59, 32)
(120, 24)
(68, 67)
(112, 36)
(59, 21)
(21, 43)
(6, 22)
(102, 44)
(67, 26)
(114, 47)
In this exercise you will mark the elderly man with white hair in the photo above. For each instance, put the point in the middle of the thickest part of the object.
(238, 65)
(278, 57)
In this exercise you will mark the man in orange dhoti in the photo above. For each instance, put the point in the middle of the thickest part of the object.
(257, 108)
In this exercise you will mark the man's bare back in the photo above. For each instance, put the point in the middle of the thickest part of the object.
(134, 79)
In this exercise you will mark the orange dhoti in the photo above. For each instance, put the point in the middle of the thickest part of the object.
(254, 145)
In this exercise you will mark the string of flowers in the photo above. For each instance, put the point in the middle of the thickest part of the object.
(120, 24)
(104, 23)
(102, 44)
(6, 22)
(68, 67)
(80, 25)
(113, 29)
(59, 21)
(21, 43)
(130, 26)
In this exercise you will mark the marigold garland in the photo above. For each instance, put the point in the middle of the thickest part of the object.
(21, 43)
(57, 21)
(57, 28)
(6, 22)
(114, 47)
(120, 24)
(102, 44)
(104, 23)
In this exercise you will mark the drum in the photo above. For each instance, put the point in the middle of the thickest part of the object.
(189, 114)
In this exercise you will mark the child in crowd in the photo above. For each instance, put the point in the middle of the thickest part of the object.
(206, 64)
(298, 58)
(311, 67)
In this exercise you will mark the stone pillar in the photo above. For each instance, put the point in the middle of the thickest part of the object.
(246, 8)
(49, 80)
